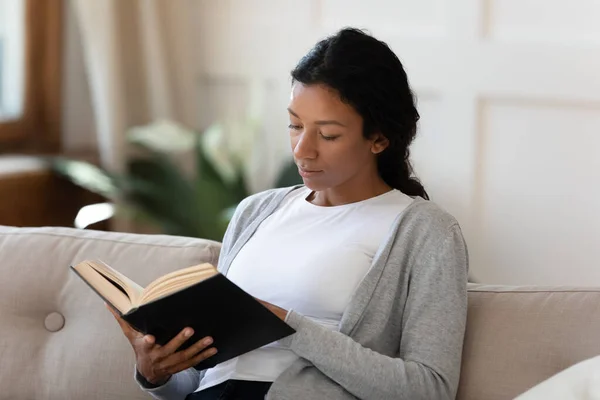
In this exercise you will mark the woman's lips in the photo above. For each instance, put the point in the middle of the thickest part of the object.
(307, 173)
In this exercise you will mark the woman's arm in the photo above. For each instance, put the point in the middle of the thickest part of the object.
(176, 388)
(188, 381)
(433, 328)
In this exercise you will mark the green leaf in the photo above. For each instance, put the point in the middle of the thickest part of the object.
(85, 175)
(159, 189)
(164, 136)
(213, 194)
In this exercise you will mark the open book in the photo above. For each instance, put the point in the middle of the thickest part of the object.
(199, 297)
(125, 295)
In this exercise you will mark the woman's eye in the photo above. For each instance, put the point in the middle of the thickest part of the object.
(295, 127)
(328, 137)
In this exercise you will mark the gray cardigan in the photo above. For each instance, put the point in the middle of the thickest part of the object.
(401, 336)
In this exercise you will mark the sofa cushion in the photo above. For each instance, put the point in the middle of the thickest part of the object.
(579, 382)
(518, 337)
(57, 340)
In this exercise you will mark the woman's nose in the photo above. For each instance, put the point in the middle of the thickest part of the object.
(305, 146)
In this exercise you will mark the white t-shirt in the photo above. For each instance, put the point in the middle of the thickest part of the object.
(310, 259)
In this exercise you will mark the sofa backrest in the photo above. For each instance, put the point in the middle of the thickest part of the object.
(518, 337)
(57, 340)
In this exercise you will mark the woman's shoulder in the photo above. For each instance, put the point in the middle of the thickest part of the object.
(264, 201)
(268, 196)
(426, 229)
(254, 207)
(428, 215)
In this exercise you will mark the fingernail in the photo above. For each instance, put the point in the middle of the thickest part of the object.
(147, 339)
(188, 333)
(207, 341)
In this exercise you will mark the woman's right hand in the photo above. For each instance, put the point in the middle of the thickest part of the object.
(157, 363)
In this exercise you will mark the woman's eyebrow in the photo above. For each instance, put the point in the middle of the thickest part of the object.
(321, 122)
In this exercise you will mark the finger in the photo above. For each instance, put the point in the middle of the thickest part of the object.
(187, 354)
(125, 327)
(176, 342)
(147, 342)
(191, 362)
(196, 348)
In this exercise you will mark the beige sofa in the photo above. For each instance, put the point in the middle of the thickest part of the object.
(57, 341)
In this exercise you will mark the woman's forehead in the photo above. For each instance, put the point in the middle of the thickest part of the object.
(318, 102)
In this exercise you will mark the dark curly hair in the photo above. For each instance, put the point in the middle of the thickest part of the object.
(368, 76)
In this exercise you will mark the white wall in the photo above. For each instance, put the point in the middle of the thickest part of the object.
(509, 92)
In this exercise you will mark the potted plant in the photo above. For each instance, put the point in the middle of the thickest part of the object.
(153, 187)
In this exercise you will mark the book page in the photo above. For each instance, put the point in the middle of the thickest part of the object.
(109, 290)
(176, 281)
(133, 290)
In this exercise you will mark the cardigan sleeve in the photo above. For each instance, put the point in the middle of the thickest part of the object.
(433, 325)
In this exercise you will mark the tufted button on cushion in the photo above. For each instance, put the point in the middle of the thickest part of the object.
(43, 292)
(54, 322)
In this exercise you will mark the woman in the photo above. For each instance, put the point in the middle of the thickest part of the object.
(370, 274)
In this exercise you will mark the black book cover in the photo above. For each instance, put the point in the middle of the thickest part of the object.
(215, 307)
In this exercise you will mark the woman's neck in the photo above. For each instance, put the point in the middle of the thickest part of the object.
(348, 193)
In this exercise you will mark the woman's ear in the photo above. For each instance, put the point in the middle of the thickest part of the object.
(379, 143)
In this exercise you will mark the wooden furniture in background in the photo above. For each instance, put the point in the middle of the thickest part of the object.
(40, 198)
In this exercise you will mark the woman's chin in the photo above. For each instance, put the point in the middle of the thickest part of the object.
(314, 185)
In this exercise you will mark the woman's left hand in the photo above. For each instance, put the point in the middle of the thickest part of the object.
(280, 312)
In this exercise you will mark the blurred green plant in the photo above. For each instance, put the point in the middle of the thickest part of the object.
(154, 188)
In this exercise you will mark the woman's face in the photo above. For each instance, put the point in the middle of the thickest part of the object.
(327, 139)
